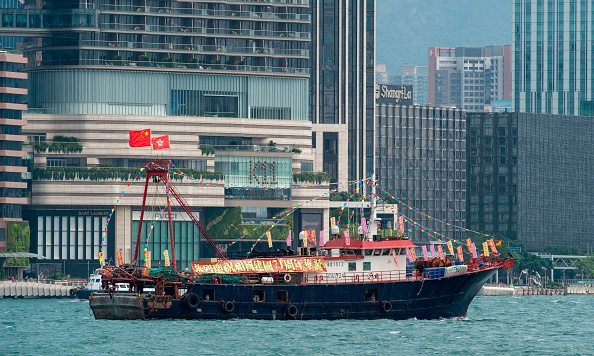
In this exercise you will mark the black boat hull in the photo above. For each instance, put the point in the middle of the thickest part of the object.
(422, 299)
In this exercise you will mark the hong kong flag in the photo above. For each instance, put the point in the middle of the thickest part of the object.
(140, 138)
(161, 142)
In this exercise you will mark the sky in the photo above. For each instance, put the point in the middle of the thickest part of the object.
(405, 29)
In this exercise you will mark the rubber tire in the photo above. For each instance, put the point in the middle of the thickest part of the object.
(73, 292)
(229, 307)
(291, 311)
(192, 301)
(386, 307)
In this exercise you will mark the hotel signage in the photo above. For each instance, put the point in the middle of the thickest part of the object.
(394, 94)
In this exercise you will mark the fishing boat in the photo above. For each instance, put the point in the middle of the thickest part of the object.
(346, 278)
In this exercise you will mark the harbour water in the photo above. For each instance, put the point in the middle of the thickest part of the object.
(559, 325)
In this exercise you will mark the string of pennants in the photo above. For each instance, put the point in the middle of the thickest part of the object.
(277, 219)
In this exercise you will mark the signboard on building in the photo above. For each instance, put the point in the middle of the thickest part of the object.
(394, 94)
(156, 215)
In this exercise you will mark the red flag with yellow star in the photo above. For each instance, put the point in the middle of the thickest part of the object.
(140, 138)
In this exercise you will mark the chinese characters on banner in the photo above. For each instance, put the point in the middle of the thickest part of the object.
(440, 251)
(347, 238)
(269, 237)
(460, 256)
(424, 249)
(401, 223)
(166, 256)
(261, 265)
(119, 257)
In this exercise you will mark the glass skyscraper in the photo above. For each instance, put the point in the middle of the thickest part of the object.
(552, 56)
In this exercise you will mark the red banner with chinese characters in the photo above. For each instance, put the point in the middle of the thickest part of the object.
(262, 265)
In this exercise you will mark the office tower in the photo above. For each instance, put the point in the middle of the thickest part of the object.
(529, 177)
(342, 87)
(421, 155)
(13, 101)
(417, 76)
(469, 78)
(552, 44)
(225, 77)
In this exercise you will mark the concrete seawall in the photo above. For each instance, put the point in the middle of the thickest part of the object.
(35, 290)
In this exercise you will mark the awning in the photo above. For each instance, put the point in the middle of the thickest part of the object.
(21, 254)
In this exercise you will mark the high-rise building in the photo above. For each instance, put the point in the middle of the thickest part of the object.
(417, 76)
(342, 87)
(552, 44)
(13, 101)
(225, 77)
(421, 161)
(529, 177)
(469, 78)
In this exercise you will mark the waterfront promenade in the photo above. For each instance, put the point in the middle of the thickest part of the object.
(575, 289)
(39, 289)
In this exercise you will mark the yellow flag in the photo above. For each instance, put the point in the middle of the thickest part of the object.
(450, 247)
(166, 255)
(147, 256)
(269, 239)
(101, 259)
(332, 221)
(485, 249)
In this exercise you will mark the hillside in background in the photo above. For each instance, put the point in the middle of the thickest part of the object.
(407, 28)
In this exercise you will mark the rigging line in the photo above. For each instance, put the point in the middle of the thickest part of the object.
(433, 218)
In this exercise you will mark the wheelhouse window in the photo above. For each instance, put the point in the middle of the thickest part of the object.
(367, 266)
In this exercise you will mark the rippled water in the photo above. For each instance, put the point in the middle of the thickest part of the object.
(503, 325)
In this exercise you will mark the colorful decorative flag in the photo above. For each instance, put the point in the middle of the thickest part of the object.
(485, 249)
(269, 239)
(424, 249)
(304, 242)
(119, 257)
(460, 256)
(101, 259)
(166, 256)
(322, 242)
(473, 250)
(140, 138)
(347, 238)
(364, 225)
(432, 250)
(289, 239)
(409, 256)
(413, 254)
(450, 247)
(147, 256)
(161, 142)
(492, 245)
(332, 221)
(311, 236)
(498, 242)
(440, 251)
(401, 223)
(394, 256)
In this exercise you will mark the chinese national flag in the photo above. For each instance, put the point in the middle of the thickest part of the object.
(161, 142)
(140, 138)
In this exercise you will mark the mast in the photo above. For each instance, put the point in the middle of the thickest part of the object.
(372, 230)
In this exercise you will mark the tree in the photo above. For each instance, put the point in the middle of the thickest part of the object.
(18, 240)
(586, 266)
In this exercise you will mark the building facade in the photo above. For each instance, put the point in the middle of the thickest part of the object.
(529, 177)
(421, 155)
(13, 102)
(227, 81)
(552, 44)
(342, 87)
(469, 78)
(418, 77)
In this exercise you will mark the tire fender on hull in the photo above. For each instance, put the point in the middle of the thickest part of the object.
(386, 307)
(291, 311)
(192, 301)
(228, 306)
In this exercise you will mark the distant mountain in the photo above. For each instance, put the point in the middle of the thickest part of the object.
(406, 28)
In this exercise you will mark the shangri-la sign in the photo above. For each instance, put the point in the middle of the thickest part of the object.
(262, 265)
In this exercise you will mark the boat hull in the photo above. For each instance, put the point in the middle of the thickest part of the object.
(445, 297)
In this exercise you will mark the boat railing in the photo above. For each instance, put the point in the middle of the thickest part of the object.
(359, 277)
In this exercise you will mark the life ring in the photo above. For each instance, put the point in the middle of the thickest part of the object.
(291, 311)
(287, 278)
(229, 306)
(72, 292)
(371, 276)
(386, 307)
(192, 301)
